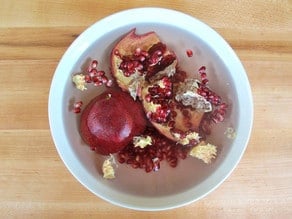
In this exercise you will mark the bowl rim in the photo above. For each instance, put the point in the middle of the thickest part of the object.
(162, 16)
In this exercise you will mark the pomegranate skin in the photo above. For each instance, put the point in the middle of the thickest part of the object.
(110, 121)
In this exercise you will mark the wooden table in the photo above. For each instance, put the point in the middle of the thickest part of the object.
(34, 183)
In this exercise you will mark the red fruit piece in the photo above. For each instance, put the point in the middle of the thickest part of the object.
(189, 53)
(165, 114)
(128, 46)
(110, 121)
(136, 57)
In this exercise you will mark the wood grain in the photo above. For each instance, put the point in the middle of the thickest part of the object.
(34, 182)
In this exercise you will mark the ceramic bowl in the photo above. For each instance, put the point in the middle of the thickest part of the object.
(169, 187)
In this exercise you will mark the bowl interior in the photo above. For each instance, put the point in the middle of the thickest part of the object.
(169, 187)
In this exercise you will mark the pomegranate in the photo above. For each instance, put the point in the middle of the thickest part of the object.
(168, 116)
(136, 58)
(110, 120)
(145, 67)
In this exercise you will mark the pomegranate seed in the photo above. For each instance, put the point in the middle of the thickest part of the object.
(141, 59)
(202, 93)
(148, 97)
(221, 111)
(171, 123)
(123, 155)
(135, 165)
(182, 154)
(94, 64)
(87, 79)
(104, 79)
(95, 79)
(203, 75)
(77, 110)
(93, 73)
(168, 94)
(169, 154)
(223, 106)
(130, 161)
(109, 83)
(159, 154)
(205, 81)
(203, 68)
(127, 74)
(149, 164)
(121, 160)
(172, 161)
(189, 53)
(78, 104)
(97, 83)
(100, 73)
(155, 57)
(89, 69)
(138, 158)
(148, 169)
(116, 52)
(173, 114)
(145, 54)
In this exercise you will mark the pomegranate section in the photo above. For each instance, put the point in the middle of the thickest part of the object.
(137, 59)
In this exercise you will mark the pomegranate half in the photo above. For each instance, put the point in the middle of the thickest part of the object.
(110, 121)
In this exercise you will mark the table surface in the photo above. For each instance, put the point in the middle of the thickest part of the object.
(34, 182)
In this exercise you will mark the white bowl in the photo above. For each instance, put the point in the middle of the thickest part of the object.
(169, 187)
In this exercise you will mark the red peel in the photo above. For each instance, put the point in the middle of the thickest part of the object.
(110, 121)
